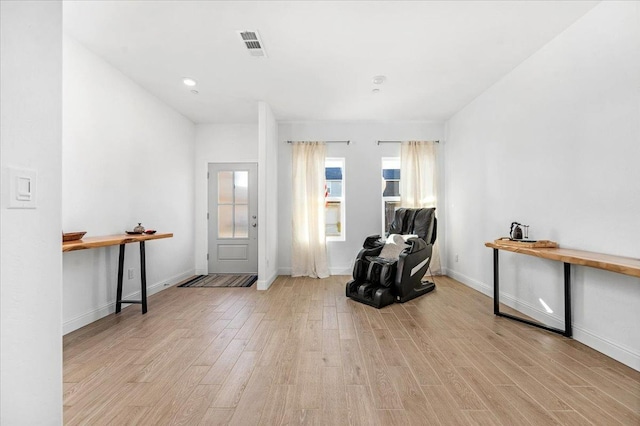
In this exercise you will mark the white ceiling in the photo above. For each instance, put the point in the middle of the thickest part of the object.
(322, 55)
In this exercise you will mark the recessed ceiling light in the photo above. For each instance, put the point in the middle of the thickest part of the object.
(379, 79)
(195, 92)
(375, 91)
(189, 81)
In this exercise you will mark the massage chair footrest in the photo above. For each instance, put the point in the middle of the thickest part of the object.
(370, 294)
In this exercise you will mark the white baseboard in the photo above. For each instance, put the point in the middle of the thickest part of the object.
(470, 282)
(284, 271)
(614, 350)
(109, 308)
(336, 270)
(509, 300)
(341, 270)
(265, 284)
(87, 318)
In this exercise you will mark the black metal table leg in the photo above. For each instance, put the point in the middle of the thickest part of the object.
(143, 278)
(496, 283)
(567, 300)
(120, 272)
(568, 331)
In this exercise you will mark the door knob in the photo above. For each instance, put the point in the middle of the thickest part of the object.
(254, 224)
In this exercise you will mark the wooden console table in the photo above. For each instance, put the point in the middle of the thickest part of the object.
(622, 265)
(121, 240)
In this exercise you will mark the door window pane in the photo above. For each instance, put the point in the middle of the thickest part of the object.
(241, 228)
(225, 187)
(225, 221)
(241, 181)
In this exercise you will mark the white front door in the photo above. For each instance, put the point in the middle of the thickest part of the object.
(233, 218)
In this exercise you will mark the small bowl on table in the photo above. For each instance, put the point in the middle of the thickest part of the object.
(150, 231)
(72, 236)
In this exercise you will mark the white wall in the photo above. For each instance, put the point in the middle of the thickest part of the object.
(555, 144)
(363, 179)
(217, 143)
(268, 195)
(127, 158)
(31, 275)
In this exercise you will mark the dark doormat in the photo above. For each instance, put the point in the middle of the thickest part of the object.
(221, 280)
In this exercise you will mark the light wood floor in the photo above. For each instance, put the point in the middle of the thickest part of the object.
(301, 353)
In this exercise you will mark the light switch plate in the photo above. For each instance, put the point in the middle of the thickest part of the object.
(22, 190)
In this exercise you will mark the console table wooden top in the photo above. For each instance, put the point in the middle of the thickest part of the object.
(619, 264)
(111, 240)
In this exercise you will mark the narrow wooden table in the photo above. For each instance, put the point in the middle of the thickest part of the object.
(619, 264)
(121, 240)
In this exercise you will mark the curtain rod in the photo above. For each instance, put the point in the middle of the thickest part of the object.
(379, 142)
(347, 142)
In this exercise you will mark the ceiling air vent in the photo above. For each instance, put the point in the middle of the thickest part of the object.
(252, 42)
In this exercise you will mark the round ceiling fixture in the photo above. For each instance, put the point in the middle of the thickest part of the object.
(189, 81)
(379, 79)
(375, 91)
(195, 92)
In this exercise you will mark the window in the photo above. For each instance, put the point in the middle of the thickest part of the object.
(334, 196)
(390, 190)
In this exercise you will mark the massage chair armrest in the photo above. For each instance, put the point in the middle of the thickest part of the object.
(372, 241)
(415, 245)
(375, 251)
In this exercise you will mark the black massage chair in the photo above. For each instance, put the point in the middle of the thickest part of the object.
(380, 281)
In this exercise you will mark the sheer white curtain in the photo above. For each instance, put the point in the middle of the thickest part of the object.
(418, 183)
(309, 249)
